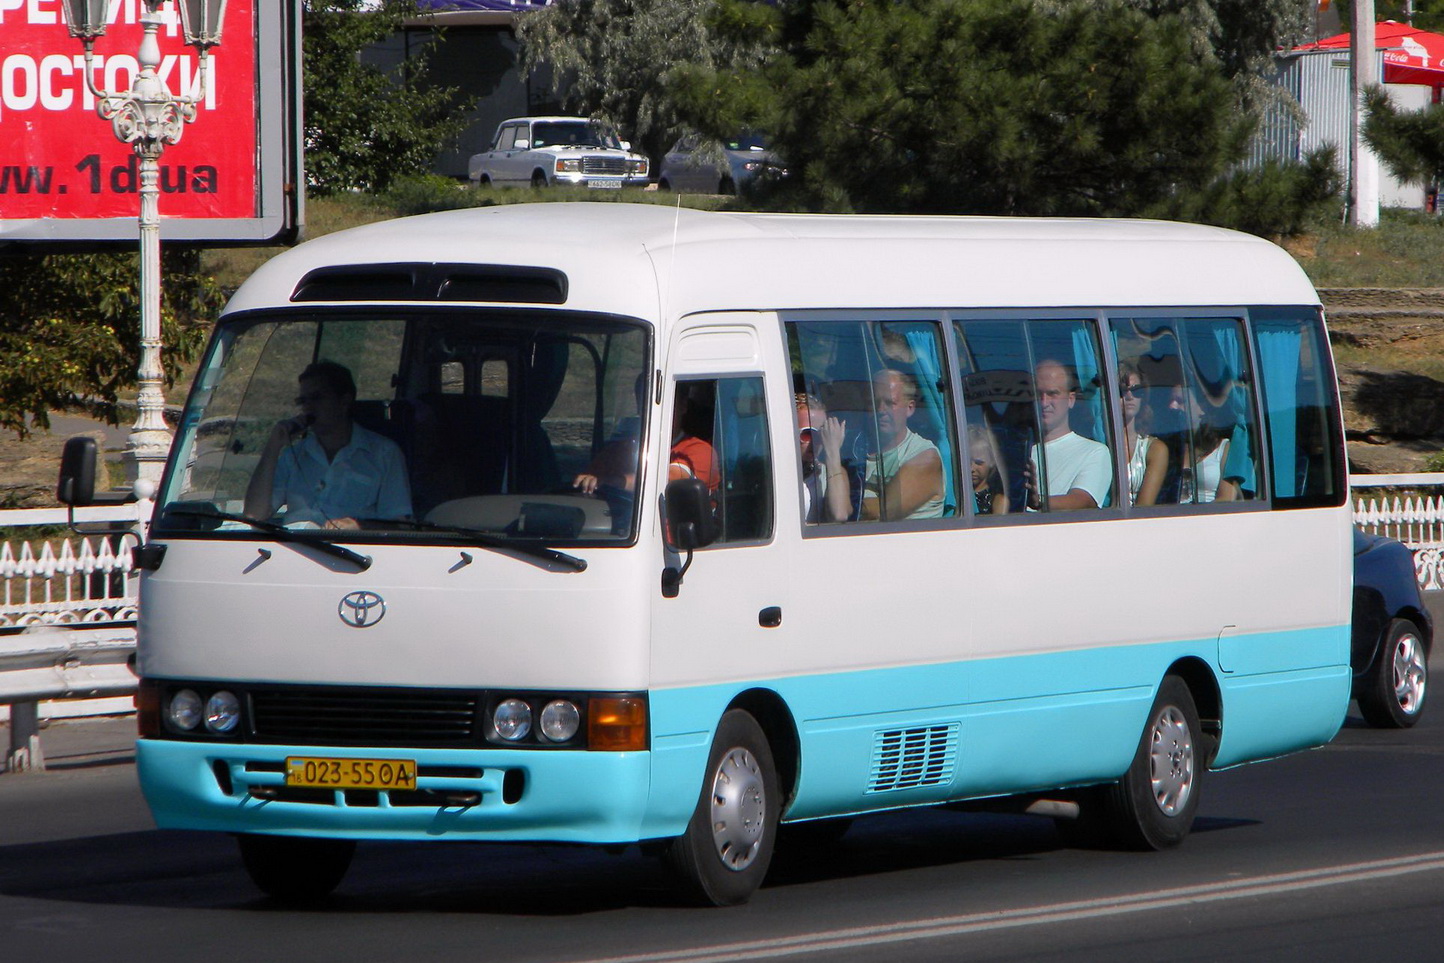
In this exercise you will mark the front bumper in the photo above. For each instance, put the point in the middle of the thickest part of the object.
(563, 796)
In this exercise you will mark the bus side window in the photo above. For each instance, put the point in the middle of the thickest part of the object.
(884, 388)
(1297, 378)
(998, 401)
(720, 435)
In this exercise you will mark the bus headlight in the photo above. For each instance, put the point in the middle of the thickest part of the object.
(184, 710)
(560, 720)
(223, 711)
(512, 720)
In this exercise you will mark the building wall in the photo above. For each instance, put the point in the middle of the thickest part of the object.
(485, 63)
(1318, 80)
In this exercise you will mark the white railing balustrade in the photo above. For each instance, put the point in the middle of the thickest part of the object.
(71, 578)
(1416, 518)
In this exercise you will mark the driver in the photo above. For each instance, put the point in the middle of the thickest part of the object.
(322, 466)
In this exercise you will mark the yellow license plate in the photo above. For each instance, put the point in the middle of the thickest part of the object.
(324, 773)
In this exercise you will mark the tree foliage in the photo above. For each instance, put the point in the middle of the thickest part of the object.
(365, 126)
(70, 329)
(987, 106)
(1426, 14)
(1274, 199)
(1409, 142)
(611, 58)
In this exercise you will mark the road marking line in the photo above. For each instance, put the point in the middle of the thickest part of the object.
(941, 926)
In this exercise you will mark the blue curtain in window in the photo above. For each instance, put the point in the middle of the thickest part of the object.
(1278, 351)
(929, 375)
(1240, 461)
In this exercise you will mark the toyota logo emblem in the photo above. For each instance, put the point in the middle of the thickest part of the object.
(361, 610)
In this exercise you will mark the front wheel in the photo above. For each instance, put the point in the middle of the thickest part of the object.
(295, 869)
(724, 854)
(1153, 805)
(538, 180)
(1393, 696)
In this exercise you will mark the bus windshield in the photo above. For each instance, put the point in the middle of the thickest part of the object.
(398, 426)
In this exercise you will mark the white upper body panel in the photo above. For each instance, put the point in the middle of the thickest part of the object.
(651, 262)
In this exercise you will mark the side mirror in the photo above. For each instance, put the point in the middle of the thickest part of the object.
(521, 144)
(689, 514)
(688, 524)
(626, 144)
(76, 487)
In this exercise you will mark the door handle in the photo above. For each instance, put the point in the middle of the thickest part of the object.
(770, 617)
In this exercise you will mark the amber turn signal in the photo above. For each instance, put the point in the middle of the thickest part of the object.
(617, 724)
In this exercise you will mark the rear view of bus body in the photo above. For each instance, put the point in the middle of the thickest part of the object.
(719, 521)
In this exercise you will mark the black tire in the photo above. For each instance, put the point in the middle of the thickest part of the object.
(296, 869)
(484, 183)
(1393, 695)
(538, 180)
(724, 854)
(726, 186)
(1153, 805)
(664, 185)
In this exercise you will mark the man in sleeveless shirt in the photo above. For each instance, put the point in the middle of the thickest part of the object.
(904, 477)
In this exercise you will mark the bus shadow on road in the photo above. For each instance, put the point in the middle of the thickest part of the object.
(202, 871)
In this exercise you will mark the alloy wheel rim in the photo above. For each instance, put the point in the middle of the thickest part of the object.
(1410, 674)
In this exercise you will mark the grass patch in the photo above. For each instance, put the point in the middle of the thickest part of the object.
(1385, 357)
(1406, 250)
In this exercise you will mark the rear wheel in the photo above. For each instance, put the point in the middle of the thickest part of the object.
(724, 854)
(1393, 696)
(295, 869)
(1153, 805)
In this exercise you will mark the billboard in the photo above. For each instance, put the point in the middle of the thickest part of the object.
(235, 174)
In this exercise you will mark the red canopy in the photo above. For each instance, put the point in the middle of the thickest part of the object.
(1411, 56)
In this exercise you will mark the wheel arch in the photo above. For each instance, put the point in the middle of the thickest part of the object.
(1207, 698)
(775, 718)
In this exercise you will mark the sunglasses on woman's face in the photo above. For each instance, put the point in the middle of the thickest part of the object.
(1135, 390)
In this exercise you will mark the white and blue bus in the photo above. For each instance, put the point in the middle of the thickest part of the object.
(628, 524)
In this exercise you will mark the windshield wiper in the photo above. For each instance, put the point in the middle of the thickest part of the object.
(282, 533)
(488, 540)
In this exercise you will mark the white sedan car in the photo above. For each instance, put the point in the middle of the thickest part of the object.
(539, 151)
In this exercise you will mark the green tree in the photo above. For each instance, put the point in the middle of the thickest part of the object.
(610, 58)
(365, 126)
(70, 329)
(980, 106)
(1409, 142)
(1427, 14)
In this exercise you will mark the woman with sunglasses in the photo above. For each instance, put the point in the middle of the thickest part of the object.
(1147, 455)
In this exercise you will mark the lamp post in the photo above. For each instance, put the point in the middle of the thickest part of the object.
(148, 117)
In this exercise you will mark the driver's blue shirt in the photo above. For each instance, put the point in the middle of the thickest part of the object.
(366, 479)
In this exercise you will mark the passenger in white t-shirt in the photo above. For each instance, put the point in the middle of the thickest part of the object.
(1078, 470)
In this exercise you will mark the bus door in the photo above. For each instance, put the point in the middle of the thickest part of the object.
(726, 428)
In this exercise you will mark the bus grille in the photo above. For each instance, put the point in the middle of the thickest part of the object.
(372, 717)
(913, 758)
(604, 165)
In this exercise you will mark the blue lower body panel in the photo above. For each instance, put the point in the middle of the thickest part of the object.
(584, 797)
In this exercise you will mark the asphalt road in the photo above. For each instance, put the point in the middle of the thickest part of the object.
(1336, 854)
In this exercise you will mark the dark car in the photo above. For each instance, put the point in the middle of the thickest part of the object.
(1393, 633)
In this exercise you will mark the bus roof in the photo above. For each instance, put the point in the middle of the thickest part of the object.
(652, 261)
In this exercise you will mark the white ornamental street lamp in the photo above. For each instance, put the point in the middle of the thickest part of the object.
(148, 117)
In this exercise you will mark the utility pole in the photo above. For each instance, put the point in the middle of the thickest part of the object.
(1363, 163)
